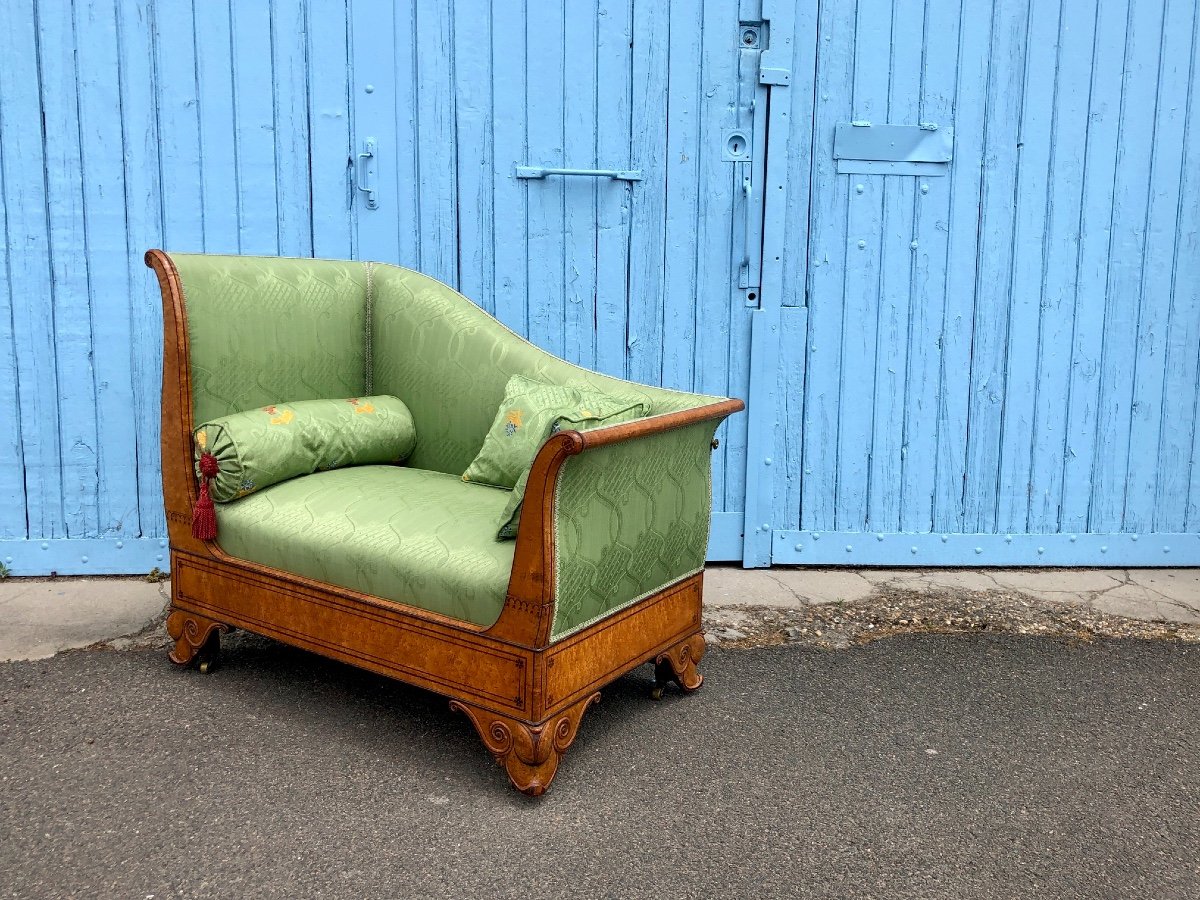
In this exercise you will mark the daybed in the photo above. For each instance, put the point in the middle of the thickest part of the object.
(398, 568)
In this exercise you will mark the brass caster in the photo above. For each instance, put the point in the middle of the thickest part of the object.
(656, 693)
(206, 666)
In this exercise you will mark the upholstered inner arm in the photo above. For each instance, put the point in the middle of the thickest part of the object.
(631, 515)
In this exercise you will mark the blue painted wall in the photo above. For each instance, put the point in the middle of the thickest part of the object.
(993, 365)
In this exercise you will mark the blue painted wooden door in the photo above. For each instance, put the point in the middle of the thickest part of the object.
(652, 275)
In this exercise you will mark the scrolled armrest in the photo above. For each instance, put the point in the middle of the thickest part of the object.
(611, 515)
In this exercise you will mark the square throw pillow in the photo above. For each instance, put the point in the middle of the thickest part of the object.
(511, 517)
(523, 422)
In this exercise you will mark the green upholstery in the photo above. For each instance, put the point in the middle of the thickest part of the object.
(264, 330)
(404, 534)
(429, 343)
(631, 517)
(261, 447)
(524, 420)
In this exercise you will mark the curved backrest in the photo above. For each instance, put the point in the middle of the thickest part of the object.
(265, 330)
(449, 361)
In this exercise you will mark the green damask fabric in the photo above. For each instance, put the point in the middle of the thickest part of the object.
(524, 420)
(510, 518)
(449, 361)
(261, 447)
(266, 330)
(409, 535)
(631, 517)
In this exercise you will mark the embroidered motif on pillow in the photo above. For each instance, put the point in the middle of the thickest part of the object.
(254, 449)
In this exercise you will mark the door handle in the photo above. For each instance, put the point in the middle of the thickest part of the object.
(748, 198)
(363, 172)
(615, 174)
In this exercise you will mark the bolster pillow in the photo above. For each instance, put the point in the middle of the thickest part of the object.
(260, 447)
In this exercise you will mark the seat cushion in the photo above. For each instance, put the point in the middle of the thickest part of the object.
(410, 535)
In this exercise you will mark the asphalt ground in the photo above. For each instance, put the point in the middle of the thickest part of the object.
(919, 766)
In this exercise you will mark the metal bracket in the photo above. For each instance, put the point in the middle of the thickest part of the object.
(615, 174)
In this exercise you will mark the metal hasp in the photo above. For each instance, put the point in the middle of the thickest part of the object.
(865, 149)
(615, 174)
(365, 170)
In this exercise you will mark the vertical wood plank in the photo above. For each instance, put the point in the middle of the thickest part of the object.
(254, 130)
(1126, 253)
(544, 103)
(993, 290)
(650, 152)
(583, 145)
(473, 126)
(177, 105)
(931, 229)
(827, 262)
(434, 140)
(12, 472)
(1092, 288)
(71, 318)
(218, 137)
(511, 149)
(1156, 443)
(1178, 500)
(328, 98)
(289, 71)
(897, 307)
(104, 224)
(1035, 137)
(1076, 35)
(136, 30)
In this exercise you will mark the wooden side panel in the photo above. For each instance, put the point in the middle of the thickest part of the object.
(126, 126)
(1000, 350)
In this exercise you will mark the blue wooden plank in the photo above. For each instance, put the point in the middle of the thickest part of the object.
(436, 178)
(614, 88)
(1126, 256)
(586, 144)
(1092, 284)
(927, 339)
(254, 130)
(961, 277)
(682, 176)
(328, 75)
(1075, 37)
(1035, 137)
(789, 417)
(401, 160)
(994, 284)
(1178, 501)
(984, 549)
(510, 150)
(71, 321)
(104, 218)
(12, 472)
(716, 281)
(544, 102)
(218, 141)
(861, 286)
(143, 217)
(473, 123)
(896, 305)
(1155, 442)
(289, 68)
(85, 556)
(650, 149)
(827, 263)
(180, 158)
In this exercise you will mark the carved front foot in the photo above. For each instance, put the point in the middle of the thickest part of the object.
(678, 664)
(196, 639)
(530, 753)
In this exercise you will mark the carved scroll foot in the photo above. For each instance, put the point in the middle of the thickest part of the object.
(530, 753)
(678, 664)
(196, 639)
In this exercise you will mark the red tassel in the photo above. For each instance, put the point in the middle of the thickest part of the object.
(204, 515)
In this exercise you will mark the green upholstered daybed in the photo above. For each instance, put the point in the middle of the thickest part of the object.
(377, 550)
